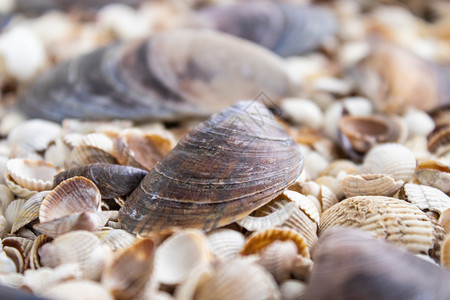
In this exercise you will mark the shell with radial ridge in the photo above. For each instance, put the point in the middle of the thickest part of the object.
(388, 218)
(222, 170)
(370, 184)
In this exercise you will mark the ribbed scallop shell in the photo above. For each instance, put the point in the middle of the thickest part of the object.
(79, 247)
(287, 210)
(388, 218)
(370, 184)
(238, 279)
(439, 138)
(29, 211)
(12, 211)
(74, 195)
(260, 240)
(426, 198)
(392, 159)
(226, 167)
(434, 173)
(225, 243)
(31, 174)
(278, 258)
(87, 154)
(35, 259)
(17, 189)
(178, 255)
(128, 273)
(36, 134)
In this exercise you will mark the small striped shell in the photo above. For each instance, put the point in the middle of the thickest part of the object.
(225, 243)
(74, 195)
(370, 184)
(278, 258)
(395, 220)
(392, 159)
(426, 198)
(292, 210)
(29, 211)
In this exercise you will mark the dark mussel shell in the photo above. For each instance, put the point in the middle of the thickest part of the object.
(173, 75)
(222, 170)
(285, 28)
(111, 180)
(350, 264)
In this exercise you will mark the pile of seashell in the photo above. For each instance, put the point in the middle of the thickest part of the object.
(216, 149)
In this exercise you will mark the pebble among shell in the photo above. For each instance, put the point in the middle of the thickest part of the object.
(214, 149)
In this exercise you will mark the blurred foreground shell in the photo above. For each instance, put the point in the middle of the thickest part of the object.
(355, 266)
(394, 79)
(174, 74)
(226, 167)
(287, 29)
(387, 218)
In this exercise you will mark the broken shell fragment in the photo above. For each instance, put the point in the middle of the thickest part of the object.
(426, 198)
(388, 218)
(370, 184)
(434, 173)
(231, 164)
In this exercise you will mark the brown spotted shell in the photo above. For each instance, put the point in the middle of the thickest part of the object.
(226, 167)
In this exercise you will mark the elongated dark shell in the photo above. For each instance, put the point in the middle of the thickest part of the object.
(111, 180)
(174, 75)
(226, 167)
(349, 264)
(287, 29)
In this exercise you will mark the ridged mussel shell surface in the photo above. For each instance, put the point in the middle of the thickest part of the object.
(226, 167)
(173, 75)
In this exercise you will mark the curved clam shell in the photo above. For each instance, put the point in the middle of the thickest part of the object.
(12, 211)
(426, 198)
(387, 218)
(395, 79)
(358, 134)
(35, 260)
(392, 159)
(78, 247)
(140, 149)
(370, 184)
(238, 279)
(177, 256)
(260, 240)
(29, 211)
(293, 289)
(111, 180)
(129, 271)
(78, 289)
(434, 173)
(287, 29)
(88, 154)
(439, 138)
(226, 167)
(355, 266)
(225, 243)
(17, 189)
(174, 74)
(36, 134)
(74, 195)
(445, 253)
(31, 174)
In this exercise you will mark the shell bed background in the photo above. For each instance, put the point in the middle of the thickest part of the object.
(360, 95)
